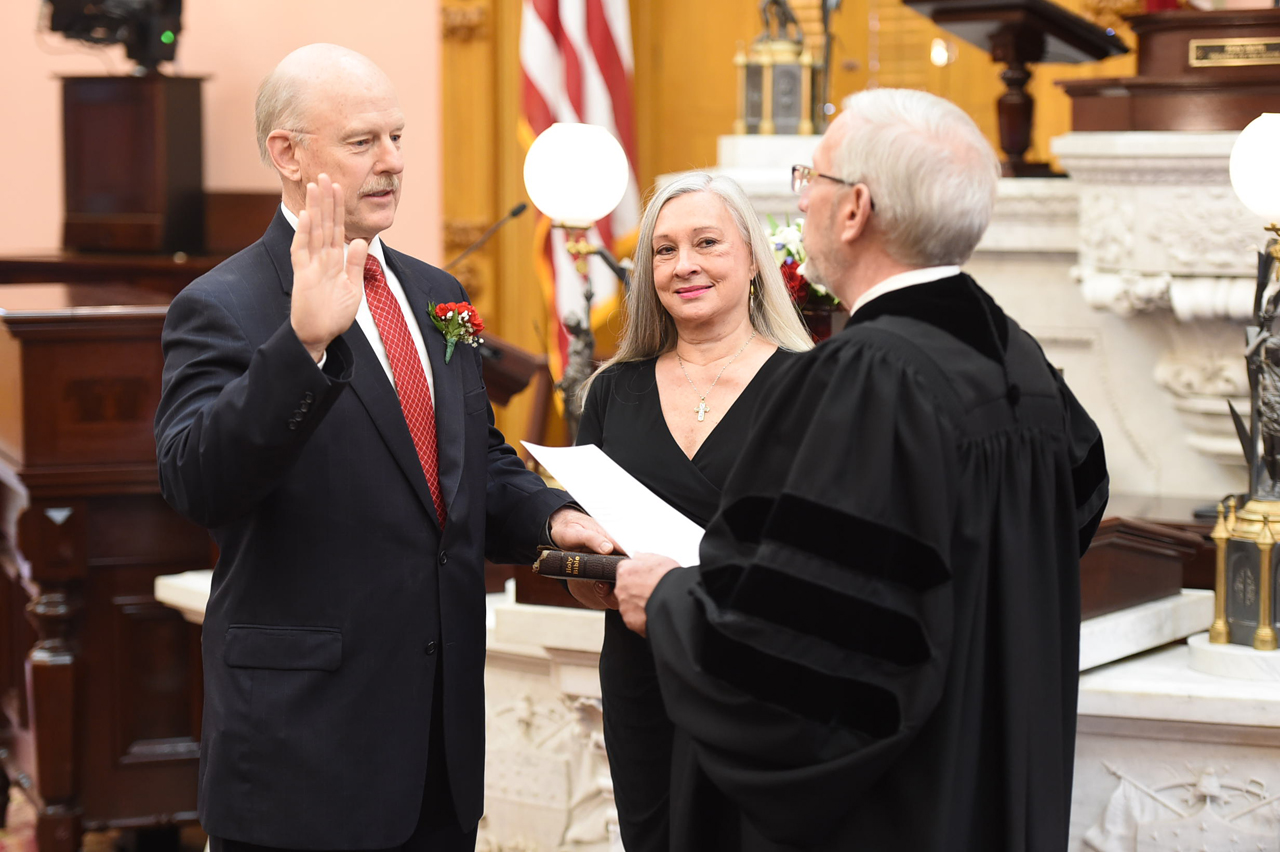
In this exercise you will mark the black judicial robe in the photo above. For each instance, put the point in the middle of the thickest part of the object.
(879, 650)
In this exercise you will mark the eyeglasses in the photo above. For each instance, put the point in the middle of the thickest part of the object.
(802, 176)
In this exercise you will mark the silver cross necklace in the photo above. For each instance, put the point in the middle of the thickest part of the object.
(702, 408)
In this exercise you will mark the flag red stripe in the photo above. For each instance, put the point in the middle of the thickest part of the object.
(536, 111)
(614, 73)
(549, 12)
(605, 229)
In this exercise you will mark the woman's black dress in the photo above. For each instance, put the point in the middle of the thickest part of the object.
(623, 416)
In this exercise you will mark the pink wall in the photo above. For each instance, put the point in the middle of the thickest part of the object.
(234, 43)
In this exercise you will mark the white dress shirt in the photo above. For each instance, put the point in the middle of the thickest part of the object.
(364, 317)
(905, 279)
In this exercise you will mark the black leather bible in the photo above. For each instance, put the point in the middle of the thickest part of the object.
(563, 565)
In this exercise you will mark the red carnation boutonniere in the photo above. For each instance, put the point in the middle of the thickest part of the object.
(459, 323)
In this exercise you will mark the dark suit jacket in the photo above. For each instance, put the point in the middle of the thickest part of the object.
(336, 595)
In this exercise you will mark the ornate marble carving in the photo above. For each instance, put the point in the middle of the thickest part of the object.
(1202, 383)
(547, 783)
(1124, 293)
(1134, 171)
(1034, 215)
(1191, 298)
(547, 780)
(1205, 374)
(1203, 809)
(1206, 228)
(1160, 225)
(1107, 231)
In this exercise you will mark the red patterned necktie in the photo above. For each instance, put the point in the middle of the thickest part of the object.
(410, 379)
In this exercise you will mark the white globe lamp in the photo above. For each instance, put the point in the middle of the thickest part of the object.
(576, 174)
(1255, 166)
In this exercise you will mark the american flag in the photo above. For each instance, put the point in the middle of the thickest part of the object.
(576, 65)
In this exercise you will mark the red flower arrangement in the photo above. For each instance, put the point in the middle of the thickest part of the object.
(459, 323)
(796, 283)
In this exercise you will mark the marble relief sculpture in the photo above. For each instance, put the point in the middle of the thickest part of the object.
(547, 783)
(1199, 812)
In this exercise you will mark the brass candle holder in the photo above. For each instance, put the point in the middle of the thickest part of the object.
(1244, 580)
(1218, 633)
(775, 88)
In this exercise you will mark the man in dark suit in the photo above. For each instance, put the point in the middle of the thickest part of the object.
(353, 481)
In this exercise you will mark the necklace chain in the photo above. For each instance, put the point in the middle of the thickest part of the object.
(702, 408)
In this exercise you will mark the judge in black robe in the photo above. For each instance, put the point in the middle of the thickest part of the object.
(879, 648)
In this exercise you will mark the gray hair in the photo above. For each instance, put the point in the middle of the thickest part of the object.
(650, 330)
(931, 173)
(280, 106)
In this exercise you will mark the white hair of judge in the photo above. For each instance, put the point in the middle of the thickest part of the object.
(931, 173)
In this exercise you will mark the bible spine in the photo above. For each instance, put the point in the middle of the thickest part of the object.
(577, 566)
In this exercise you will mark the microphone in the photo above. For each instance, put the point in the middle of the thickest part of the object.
(484, 238)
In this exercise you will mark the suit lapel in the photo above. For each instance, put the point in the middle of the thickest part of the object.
(447, 378)
(277, 240)
(376, 393)
(369, 380)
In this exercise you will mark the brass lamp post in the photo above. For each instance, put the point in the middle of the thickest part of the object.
(576, 174)
(1245, 585)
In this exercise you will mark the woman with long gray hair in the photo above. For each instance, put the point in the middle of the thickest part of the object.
(709, 323)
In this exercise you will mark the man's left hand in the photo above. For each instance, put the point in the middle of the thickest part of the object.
(636, 579)
(575, 530)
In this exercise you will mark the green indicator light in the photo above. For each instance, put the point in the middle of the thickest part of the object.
(168, 37)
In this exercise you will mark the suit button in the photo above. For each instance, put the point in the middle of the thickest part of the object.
(308, 397)
(444, 557)
(304, 406)
(293, 425)
(429, 648)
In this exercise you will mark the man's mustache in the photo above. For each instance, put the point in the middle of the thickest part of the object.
(381, 184)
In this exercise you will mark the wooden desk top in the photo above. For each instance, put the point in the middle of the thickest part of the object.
(164, 273)
(35, 301)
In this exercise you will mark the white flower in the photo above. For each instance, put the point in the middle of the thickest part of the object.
(787, 242)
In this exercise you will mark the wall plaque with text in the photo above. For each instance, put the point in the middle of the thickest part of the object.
(1211, 52)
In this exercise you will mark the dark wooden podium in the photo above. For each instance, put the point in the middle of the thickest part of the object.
(100, 685)
(1017, 33)
(133, 163)
(1197, 71)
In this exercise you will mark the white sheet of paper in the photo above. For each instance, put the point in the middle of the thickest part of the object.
(637, 519)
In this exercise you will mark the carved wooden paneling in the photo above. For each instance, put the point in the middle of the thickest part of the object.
(101, 688)
(470, 142)
(458, 236)
(483, 178)
(464, 22)
(151, 702)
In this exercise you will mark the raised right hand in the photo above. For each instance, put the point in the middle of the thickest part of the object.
(326, 289)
